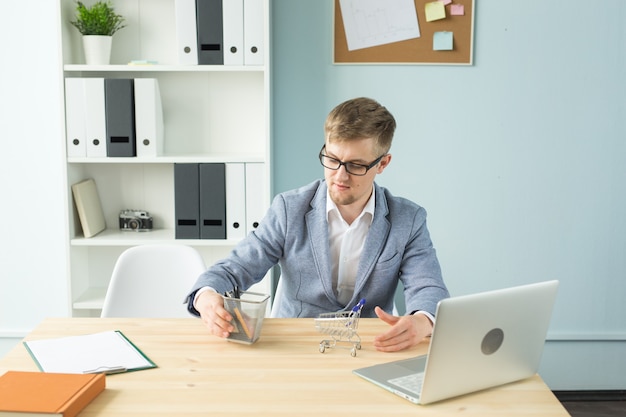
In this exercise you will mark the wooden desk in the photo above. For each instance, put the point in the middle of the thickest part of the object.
(283, 374)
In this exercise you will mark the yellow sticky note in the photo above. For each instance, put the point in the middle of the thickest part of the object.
(435, 10)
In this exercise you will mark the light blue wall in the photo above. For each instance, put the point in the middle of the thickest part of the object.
(519, 159)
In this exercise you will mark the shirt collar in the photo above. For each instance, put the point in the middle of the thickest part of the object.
(369, 208)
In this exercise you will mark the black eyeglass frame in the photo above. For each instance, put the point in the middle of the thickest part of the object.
(345, 164)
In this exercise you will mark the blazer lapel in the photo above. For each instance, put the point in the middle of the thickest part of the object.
(317, 227)
(374, 243)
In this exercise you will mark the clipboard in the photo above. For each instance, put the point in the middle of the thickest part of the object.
(105, 352)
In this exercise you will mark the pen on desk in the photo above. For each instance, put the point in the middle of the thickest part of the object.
(108, 370)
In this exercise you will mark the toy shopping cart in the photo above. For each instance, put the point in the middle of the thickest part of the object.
(341, 326)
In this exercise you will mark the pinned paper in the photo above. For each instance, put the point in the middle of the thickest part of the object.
(377, 22)
(443, 41)
(446, 2)
(435, 10)
(457, 10)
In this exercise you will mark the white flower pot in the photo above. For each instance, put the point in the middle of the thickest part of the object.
(97, 49)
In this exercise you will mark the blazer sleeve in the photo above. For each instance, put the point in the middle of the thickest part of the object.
(250, 260)
(420, 270)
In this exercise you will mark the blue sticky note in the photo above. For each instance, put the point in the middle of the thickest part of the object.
(442, 41)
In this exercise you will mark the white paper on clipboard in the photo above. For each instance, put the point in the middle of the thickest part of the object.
(105, 352)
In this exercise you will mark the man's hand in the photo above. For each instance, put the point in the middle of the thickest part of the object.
(405, 331)
(217, 319)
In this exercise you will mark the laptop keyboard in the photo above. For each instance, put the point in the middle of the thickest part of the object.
(411, 382)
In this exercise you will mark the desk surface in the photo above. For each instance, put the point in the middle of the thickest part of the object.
(282, 374)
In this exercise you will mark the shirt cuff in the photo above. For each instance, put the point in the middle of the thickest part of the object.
(200, 291)
(425, 313)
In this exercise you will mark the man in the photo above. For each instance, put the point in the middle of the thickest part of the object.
(338, 240)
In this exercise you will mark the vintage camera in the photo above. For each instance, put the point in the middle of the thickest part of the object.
(135, 220)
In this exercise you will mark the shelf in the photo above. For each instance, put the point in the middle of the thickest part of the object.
(162, 68)
(170, 159)
(211, 114)
(91, 299)
(111, 237)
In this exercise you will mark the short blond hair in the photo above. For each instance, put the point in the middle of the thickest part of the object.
(361, 118)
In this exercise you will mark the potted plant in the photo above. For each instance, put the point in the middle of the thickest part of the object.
(97, 24)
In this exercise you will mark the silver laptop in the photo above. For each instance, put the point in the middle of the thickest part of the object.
(479, 341)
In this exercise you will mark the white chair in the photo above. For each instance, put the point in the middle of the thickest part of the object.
(152, 281)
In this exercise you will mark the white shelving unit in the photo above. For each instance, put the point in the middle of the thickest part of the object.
(212, 113)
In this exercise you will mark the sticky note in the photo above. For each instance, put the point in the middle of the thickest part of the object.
(457, 10)
(446, 2)
(435, 10)
(443, 41)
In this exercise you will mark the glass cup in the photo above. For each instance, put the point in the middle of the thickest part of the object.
(248, 312)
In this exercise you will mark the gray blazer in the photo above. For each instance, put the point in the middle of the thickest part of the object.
(294, 234)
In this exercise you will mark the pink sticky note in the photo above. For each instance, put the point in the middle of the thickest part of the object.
(446, 2)
(457, 10)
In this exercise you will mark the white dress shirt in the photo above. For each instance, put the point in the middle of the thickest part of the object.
(346, 245)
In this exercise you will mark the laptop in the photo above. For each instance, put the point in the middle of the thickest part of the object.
(479, 341)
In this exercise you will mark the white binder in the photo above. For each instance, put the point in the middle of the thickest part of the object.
(95, 117)
(75, 117)
(232, 16)
(255, 195)
(186, 32)
(253, 33)
(235, 201)
(148, 117)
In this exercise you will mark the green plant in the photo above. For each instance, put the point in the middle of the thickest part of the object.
(99, 19)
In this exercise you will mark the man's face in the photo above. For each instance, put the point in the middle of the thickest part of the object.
(344, 188)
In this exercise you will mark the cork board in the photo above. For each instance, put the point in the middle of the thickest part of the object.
(455, 29)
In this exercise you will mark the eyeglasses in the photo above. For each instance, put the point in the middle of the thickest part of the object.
(351, 167)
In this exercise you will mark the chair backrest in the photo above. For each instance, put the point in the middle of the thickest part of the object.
(152, 281)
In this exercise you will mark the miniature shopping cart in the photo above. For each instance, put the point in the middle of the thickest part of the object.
(341, 326)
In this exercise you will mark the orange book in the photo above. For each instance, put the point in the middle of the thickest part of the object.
(24, 394)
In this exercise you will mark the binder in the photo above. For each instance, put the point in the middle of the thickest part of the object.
(255, 195)
(186, 33)
(235, 201)
(187, 201)
(212, 201)
(75, 117)
(233, 31)
(253, 33)
(210, 32)
(120, 117)
(148, 117)
(95, 117)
